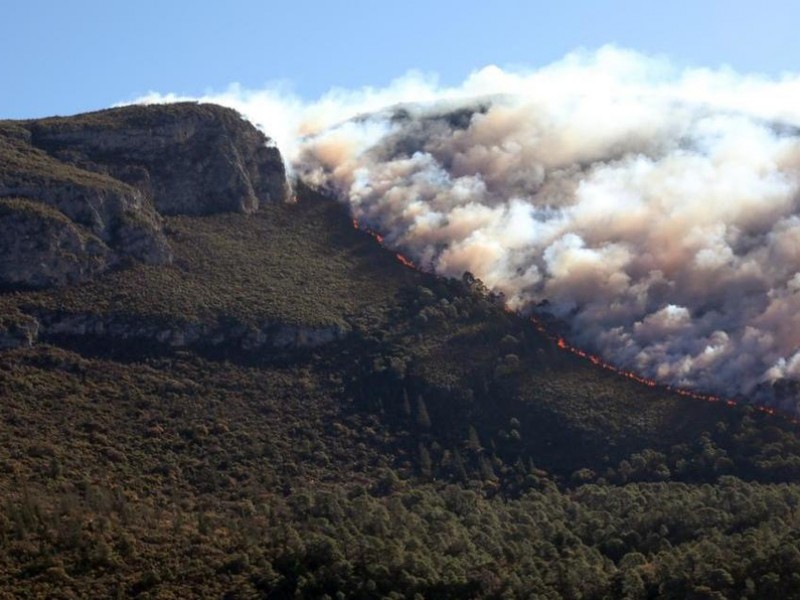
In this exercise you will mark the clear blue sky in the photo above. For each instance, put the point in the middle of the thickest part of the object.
(62, 57)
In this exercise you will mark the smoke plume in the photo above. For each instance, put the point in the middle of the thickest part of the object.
(655, 209)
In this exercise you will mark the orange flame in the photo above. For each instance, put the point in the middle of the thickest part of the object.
(404, 261)
(595, 360)
(407, 262)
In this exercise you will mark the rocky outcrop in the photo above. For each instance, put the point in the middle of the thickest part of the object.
(84, 194)
(103, 179)
(186, 158)
(22, 330)
(48, 325)
(95, 219)
(56, 251)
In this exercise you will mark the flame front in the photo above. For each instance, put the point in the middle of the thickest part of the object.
(562, 344)
(402, 259)
(405, 261)
(596, 360)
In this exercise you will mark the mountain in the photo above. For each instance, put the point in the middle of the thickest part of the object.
(211, 388)
(102, 180)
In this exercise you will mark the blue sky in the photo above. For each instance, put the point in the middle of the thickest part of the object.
(64, 57)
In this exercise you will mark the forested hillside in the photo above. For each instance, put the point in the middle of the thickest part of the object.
(284, 409)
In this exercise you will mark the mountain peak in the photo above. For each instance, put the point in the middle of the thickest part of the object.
(103, 179)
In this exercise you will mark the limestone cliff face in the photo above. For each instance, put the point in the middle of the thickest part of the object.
(187, 158)
(56, 251)
(82, 194)
(57, 217)
(28, 329)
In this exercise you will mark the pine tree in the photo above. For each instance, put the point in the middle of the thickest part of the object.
(423, 418)
(425, 462)
(473, 441)
(406, 404)
(458, 466)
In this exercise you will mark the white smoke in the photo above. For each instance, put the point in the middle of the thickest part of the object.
(655, 209)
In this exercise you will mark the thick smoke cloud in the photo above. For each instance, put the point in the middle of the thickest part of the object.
(656, 210)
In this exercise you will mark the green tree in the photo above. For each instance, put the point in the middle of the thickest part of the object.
(423, 418)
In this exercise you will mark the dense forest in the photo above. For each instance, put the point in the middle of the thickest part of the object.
(442, 449)
(284, 409)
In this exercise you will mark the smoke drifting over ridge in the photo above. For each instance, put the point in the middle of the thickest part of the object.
(656, 210)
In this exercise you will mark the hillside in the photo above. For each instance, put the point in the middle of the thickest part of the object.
(283, 409)
(101, 182)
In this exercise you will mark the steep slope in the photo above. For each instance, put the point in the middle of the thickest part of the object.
(287, 410)
(187, 158)
(101, 181)
(382, 456)
(97, 205)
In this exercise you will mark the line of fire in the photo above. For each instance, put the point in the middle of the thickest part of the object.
(565, 346)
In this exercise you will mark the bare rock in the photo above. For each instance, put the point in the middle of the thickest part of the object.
(187, 158)
(40, 247)
(19, 330)
(102, 181)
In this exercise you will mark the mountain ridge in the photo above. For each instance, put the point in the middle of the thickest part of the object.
(109, 176)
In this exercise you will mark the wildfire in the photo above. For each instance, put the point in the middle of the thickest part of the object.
(596, 360)
(403, 260)
(562, 344)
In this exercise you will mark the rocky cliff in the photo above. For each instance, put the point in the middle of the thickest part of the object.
(45, 200)
(80, 195)
(186, 158)
(123, 330)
